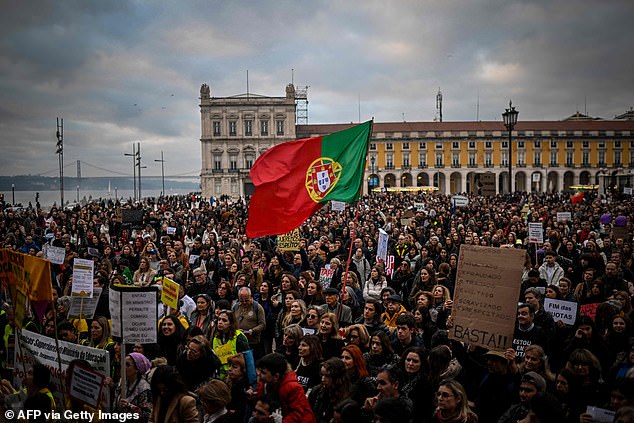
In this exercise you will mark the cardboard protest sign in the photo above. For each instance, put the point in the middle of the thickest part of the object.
(169, 293)
(325, 277)
(134, 314)
(36, 348)
(485, 299)
(566, 311)
(289, 241)
(83, 275)
(87, 309)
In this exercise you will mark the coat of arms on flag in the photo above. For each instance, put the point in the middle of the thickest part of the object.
(321, 177)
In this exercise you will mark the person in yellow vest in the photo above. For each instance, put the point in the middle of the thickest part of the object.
(227, 340)
(100, 336)
(393, 310)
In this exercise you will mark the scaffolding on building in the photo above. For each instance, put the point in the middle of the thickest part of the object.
(301, 105)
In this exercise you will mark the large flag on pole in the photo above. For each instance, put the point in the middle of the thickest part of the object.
(294, 179)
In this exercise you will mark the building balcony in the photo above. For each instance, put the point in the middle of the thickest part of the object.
(585, 165)
(217, 170)
(537, 165)
(472, 165)
(234, 170)
(406, 167)
(551, 164)
(389, 167)
(439, 166)
(488, 165)
(601, 164)
(521, 165)
(572, 165)
(455, 166)
(422, 166)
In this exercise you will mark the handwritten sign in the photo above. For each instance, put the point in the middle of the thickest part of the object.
(169, 293)
(87, 310)
(134, 315)
(86, 385)
(419, 207)
(485, 300)
(171, 230)
(566, 311)
(382, 245)
(56, 255)
(325, 277)
(289, 241)
(83, 275)
(589, 310)
(535, 232)
(389, 265)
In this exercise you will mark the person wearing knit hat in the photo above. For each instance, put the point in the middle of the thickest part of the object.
(138, 395)
(215, 396)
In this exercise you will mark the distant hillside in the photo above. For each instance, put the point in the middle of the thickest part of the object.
(47, 183)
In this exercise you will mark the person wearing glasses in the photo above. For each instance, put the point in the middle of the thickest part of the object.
(453, 405)
(310, 324)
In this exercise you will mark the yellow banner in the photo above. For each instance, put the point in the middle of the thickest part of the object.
(169, 294)
(26, 273)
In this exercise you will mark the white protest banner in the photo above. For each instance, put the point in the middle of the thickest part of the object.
(485, 299)
(419, 207)
(564, 216)
(459, 201)
(171, 230)
(337, 205)
(325, 277)
(289, 241)
(86, 385)
(83, 275)
(535, 232)
(134, 314)
(627, 190)
(382, 246)
(193, 258)
(566, 311)
(87, 309)
(36, 348)
(56, 255)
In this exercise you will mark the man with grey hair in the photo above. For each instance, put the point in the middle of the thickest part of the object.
(251, 320)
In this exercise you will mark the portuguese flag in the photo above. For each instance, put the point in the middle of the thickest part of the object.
(294, 179)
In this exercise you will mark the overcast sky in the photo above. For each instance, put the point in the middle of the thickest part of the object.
(121, 71)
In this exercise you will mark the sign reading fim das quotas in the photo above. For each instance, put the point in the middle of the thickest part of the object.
(485, 300)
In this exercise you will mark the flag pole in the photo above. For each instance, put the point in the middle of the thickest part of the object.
(355, 223)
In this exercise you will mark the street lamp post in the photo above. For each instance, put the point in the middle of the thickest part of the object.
(162, 161)
(510, 119)
(13, 194)
(60, 157)
(133, 155)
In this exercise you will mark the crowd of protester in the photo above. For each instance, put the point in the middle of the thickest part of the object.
(258, 336)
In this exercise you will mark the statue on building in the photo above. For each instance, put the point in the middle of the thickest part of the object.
(204, 91)
(290, 91)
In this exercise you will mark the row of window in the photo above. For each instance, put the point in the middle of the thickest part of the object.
(489, 144)
(232, 128)
(488, 159)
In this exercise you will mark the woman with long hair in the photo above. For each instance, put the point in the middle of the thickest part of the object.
(357, 335)
(238, 382)
(361, 385)
(617, 335)
(265, 299)
(297, 313)
(310, 358)
(170, 338)
(453, 404)
(224, 292)
(334, 388)
(314, 294)
(172, 402)
(416, 385)
(331, 343)
(284, 315)
(374, 284)
(203, 316)
(100, 336)
(424, 281)
(535, 360)
(227, 339)
(439, 309)
(586, 366)
(144, 275)
(381, 353)
(290, 344)
(310, 324)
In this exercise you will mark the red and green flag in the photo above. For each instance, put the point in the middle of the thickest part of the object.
(293, 180)
(576, 198)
